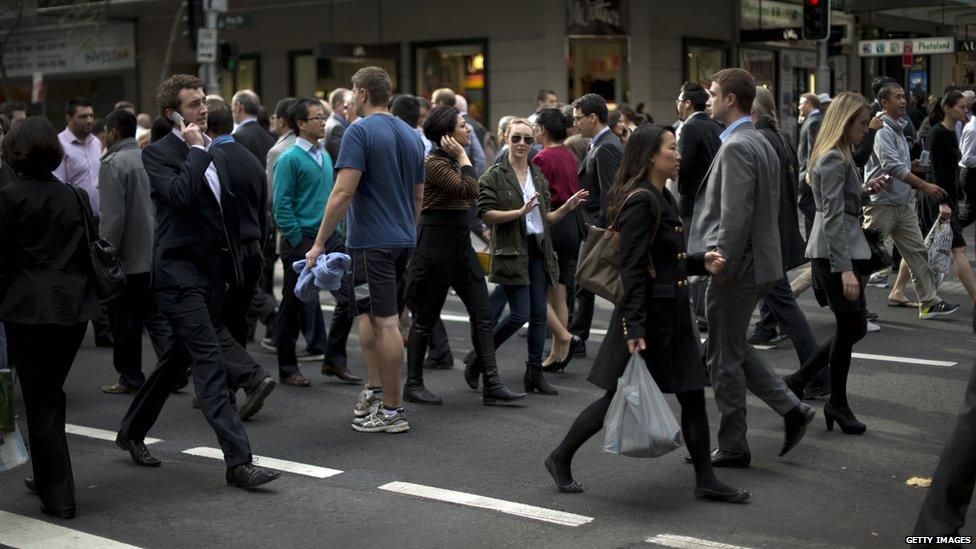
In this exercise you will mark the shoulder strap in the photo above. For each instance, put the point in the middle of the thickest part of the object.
(85, 212)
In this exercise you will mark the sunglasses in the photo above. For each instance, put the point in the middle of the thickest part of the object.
(519, 138)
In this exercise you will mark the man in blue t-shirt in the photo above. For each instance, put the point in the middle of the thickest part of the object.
(381, 184)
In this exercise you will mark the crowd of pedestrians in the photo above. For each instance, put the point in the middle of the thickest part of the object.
(201, 203)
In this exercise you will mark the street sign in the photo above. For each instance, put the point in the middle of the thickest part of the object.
(896, 46)
(206, 45)
(231, 22)
(906, 57)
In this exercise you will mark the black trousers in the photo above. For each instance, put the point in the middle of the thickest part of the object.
(237, 302)
(943, 511)
(44, 354)
(129, 313)
(289, 312)
(195, 344)
(582, 317)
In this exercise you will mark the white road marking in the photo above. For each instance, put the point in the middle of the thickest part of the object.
(100, 434)
(271, 463)
(903, 360)
(686, 542)
(481, 502)
(28, 533)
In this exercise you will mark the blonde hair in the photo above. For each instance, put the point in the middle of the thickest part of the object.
(833, 130)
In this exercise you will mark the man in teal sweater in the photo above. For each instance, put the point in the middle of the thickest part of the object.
(302, 183)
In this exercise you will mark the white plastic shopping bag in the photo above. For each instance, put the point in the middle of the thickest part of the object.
(938, 243)
(639, 422)
(12, 450)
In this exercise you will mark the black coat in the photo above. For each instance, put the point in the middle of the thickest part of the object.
(196, 239)
(255, 139)
(698, 145)
(44, 261)
(655, 308)
(790, 240)
(248, 182)
(597, 175)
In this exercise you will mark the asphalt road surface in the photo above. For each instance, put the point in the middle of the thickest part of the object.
(472, 476)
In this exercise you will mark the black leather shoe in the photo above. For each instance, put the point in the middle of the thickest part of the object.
(137, 451)
(796, 421)
(472, 370)
(66, 512)
(255, 398)
(420, 395)
(249, 476)
(733, 496)
(341, 373)
(721, 458)
(500, 396)
(580, 351)
(574, 344)
(30, 485)
(572, 488)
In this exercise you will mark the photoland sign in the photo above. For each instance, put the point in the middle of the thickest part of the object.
(77, 50)
(896, 47)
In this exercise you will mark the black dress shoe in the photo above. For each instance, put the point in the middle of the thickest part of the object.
(66, 512)
(255, 398)
(572, 488)
(580, 351)
(249, 476)
(796, 421)
(30, 485)
(732, 496)
(574, 344)
(137, 451)
(420, 395)
(721, 458)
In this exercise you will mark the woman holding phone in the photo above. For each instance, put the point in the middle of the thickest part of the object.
(514, 202)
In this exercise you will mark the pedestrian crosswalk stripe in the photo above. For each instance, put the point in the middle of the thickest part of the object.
(904, 360)
(27, 533)
(481, 502)
(100, 434)
(271, 463)
(685, 542)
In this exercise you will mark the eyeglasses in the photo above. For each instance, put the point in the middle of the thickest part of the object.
(519, 138)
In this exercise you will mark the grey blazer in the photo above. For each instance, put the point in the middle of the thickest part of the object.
(737, 209)
(127, 211)
(836, 233)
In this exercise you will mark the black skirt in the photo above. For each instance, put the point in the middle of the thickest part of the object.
(566, 243)
(829, 289)
(674, 352)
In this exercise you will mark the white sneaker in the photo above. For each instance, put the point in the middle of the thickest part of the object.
(872, 327)
(367, 403)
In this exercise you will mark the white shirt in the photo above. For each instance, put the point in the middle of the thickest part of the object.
(213, 180)
(967, 146)
(315, 150)
(533, 221)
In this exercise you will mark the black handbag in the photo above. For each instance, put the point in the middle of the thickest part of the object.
(880, 258)
(106, 265)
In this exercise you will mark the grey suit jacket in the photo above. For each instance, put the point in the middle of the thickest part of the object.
(127, 211)
(737, 210)
(837, 233)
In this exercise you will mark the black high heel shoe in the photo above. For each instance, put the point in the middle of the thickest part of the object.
(571, 488)
(574, 344)
(849, 424)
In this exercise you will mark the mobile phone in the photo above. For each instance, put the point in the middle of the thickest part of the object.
(176, 119)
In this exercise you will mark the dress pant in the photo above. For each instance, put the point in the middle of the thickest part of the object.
(779, 307)
(44, 354)
(243, 372)
(101, 325)
(943, 511)
(129, 313)
(237, 302)
(195, 344)
(582, 320)
(735, 365)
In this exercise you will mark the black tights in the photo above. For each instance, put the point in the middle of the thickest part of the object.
(694, 429)
(836, 351)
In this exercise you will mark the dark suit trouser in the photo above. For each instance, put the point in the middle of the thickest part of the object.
(582, 319)
(195, 343)
(129, 313)
(779, 306)
(44, 354)
(243, 372)
(943, 511)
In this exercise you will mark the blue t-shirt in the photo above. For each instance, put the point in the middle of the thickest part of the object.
(391, 157)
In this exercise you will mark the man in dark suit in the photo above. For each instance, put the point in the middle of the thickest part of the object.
(246, 105)
(736, 214)
(810, 112)
(194, 257)
(590, 115)
(698, 143)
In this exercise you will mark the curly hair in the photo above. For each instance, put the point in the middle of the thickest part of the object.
(168, 94)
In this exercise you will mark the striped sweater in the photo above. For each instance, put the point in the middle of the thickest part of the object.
(448, 186)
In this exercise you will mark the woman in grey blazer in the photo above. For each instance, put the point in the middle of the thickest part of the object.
(835, 247)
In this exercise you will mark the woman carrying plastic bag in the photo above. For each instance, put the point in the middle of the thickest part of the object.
(652, 323)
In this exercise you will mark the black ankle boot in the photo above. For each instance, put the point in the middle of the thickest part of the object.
(413, 389)
(472, 370)
(535, 381)
(495, 393)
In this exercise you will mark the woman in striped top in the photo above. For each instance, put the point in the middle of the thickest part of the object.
(444, 259)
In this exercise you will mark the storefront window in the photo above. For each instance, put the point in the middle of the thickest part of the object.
(761, 64)
(315, 74)
(703, 60)
(601, 66)
(246, 77)
(459, 66)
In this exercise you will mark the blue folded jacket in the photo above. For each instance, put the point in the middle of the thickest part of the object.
(326, 275)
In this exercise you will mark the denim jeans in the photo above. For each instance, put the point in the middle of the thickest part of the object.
(527, 303)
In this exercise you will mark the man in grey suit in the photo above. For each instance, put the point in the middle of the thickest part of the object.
(736, 213)
(810, 111)
(343, 114)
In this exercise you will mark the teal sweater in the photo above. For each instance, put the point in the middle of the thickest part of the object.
(301, 190)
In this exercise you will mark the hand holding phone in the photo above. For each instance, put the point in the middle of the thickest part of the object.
(191, 132)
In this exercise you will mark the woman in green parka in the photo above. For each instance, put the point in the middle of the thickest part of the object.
(514, 203)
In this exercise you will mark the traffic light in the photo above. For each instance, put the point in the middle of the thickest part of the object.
(816, 19)
(228, 55)
(195, 18)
